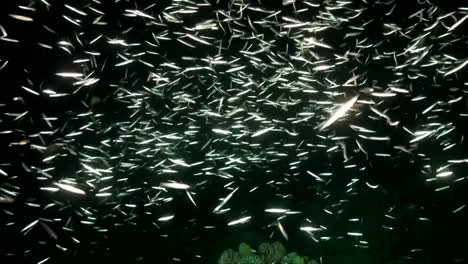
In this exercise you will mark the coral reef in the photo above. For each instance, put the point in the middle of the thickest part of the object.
(229, 256)
(267, 253)
(292, 258)
(252, 259)
(271, 253)
(245, 250)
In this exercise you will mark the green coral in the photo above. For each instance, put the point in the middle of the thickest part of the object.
(245, 250)
(271, 253)
(267, 254)
(229, 256)
(252, 259)
(292, 258)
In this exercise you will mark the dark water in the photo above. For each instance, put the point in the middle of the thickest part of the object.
(105, 102)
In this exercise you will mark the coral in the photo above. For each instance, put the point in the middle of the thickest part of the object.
(252, 259)
(292, 258)
(229, 256)
(310, 261)
(271, 253)
(267, 254)
(245, 250)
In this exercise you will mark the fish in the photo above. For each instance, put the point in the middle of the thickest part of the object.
(187, 119)
(70, 188)
(241, 220)
(175, 185)
(339, 112)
